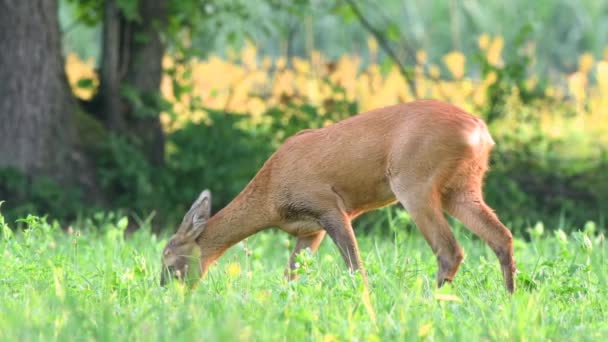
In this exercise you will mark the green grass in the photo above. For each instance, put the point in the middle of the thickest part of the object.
(90, 282)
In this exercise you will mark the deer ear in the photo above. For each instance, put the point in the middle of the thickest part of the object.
(196, 219)
(201, 209)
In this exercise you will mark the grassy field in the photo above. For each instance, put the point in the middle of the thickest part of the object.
(91, 282)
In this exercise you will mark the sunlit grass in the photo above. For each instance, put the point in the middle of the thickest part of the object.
(90, 282)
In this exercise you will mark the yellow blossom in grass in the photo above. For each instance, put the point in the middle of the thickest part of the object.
(479, 96)
(602, 76)
(424, 330)
(233, 270)
(494, 51)
(585, 63)
(434, 71)
(455, 63)
(316, 59)
(263, 296)
(249, 56)
(531, 82)
(281, 62)
(301, 65)
(577, 83)
(330, 338)
(422, 88)
(372, 45)
(490, 79)
(484, 41)
(421, 56)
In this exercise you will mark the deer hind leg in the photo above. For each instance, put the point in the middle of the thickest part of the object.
(423, 202)
(311, 241)
(339, 228)
(470, 208)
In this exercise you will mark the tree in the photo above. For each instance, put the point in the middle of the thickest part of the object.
(38, 134)
(45, 131)
(131, 70)
(41, 121)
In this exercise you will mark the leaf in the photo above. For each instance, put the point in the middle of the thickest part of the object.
(393, 33)
(122, 223)
(86, 83)
(130, 9)
(141, 38)
(346, 13)
(132, 95)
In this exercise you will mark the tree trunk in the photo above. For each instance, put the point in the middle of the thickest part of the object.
(37, 110)
(112, 106)
(132, 63)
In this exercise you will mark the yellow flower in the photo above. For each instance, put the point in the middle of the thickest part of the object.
(495, 51)
(249, 56)
(281, 62)
(301, 65)
(372, 45)
(577, 84)
(455, 63)
(233, 270)
(484, 41)
(434, 71)
(585, 63)
(425, 330)
(490, 79)
(421, 56)
(602, 74)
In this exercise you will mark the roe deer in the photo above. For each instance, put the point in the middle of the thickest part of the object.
(428, 155)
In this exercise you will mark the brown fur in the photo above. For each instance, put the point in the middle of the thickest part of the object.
(429, 155)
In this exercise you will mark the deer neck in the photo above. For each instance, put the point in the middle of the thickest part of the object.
(244, 216)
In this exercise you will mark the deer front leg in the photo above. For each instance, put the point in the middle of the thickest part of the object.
(340, 230)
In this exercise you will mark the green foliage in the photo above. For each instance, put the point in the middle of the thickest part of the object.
(40, 195)
(222, 152)
(143, 104)
(94, 281)
(125, 173)
(531, 180)
(511, 78)
(217, 154)
(89, 12)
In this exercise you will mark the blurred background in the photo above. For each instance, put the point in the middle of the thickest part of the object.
(137, 105)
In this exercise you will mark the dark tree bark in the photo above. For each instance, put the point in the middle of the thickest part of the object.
(37, 110)
(112, 106)
(132, 58)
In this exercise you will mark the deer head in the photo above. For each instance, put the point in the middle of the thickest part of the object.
(177, 254)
